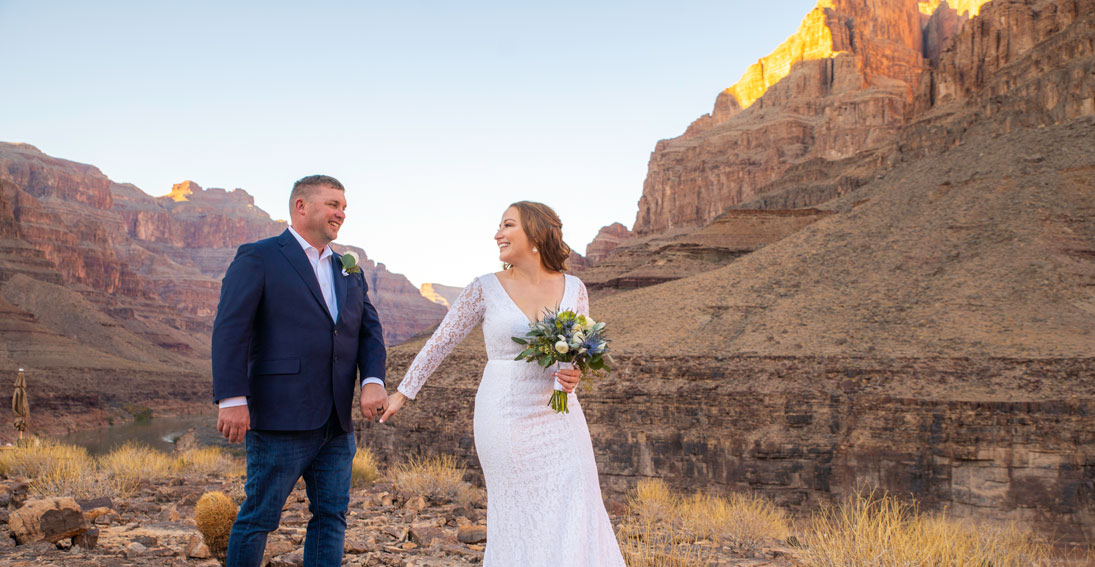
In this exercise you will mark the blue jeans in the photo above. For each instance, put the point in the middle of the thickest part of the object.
(275, 460)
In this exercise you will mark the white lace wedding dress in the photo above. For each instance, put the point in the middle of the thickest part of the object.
(544, 504)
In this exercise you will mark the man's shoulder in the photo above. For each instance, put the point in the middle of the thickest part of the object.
(272, 243)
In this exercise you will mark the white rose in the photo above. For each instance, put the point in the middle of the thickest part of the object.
(562, 347)
(357, 259)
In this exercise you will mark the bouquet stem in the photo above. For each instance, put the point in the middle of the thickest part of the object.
(559, 397)
(559, 402)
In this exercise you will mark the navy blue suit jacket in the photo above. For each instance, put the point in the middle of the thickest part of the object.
(274, 340)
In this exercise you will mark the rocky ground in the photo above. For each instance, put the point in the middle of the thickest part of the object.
(156, 526)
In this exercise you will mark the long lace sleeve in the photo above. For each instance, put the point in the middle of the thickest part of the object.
(582, 303)
(466, 312)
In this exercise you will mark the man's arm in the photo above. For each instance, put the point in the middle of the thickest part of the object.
(371, 355)
(241, 292)
(371, 358)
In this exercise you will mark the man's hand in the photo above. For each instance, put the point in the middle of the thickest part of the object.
(374, 399)
(233, 422)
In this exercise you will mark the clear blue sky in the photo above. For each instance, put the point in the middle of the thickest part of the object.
(436, 115)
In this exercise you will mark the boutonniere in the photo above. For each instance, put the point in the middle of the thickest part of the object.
(349, 263)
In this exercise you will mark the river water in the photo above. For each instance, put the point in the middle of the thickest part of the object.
(158, 433)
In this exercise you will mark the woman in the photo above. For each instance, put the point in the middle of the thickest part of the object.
(544, 502)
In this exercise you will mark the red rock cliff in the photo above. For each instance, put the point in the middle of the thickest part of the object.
(133, 254)
(843, 83)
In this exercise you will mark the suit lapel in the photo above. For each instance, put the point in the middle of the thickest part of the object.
(292, 251)
(340, 284)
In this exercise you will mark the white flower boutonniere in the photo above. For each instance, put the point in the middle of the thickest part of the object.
(349, 264)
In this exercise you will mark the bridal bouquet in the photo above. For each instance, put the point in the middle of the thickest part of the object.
(569, 339)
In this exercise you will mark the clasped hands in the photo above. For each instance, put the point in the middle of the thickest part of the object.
(234, 422)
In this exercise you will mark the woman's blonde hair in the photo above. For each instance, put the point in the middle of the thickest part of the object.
(545, 231)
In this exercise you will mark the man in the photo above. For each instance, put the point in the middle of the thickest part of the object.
(293, 328)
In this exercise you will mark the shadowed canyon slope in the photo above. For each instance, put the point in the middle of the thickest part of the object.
(909, 300)
(103, 284)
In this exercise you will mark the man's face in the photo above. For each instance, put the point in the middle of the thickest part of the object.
(319, 214)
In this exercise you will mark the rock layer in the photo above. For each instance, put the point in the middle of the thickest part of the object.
(607, 239)
(1000, 439)
(644, 261)
(843, 83)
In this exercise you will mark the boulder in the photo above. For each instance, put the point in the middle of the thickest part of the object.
(47, 519)
(472, 534)
(88, 539)
(196, 548)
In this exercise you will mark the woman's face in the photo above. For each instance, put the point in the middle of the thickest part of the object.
(513, 244)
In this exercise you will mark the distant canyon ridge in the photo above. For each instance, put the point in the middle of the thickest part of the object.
(107, 294)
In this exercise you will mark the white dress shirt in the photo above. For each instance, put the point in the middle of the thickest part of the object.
(321, 265)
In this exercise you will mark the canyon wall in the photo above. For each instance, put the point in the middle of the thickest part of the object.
(108, 277)
(998, 439)
(843, 83)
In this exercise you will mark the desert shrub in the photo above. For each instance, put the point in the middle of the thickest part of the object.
(881, 531)
(132, 463)
(652, 535)
(141, 414)
(437, 478)
(745, 520)
(209, 461)
(54, 469)
(214, 514)
(665, 528)
(364, 468)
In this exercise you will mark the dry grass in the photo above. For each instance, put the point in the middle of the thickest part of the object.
(647, 542)
(131, 464)
(747, 521)
(210, 461)
(440, 479)
(364, 468)
(880, 531)
(653, 534)
(54, 469)
(666, 529)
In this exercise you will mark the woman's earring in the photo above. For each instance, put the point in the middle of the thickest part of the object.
(534, 250)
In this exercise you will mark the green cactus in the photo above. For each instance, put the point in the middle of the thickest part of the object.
(214, 513)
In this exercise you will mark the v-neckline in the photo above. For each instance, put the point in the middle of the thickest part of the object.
(559, 305)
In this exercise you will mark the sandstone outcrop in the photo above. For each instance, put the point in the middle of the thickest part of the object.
(440, 294)
(843, 83)
(607, 239)
(654, 259)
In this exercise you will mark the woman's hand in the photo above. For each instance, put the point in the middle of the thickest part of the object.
(568, 378)
(395, 403)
